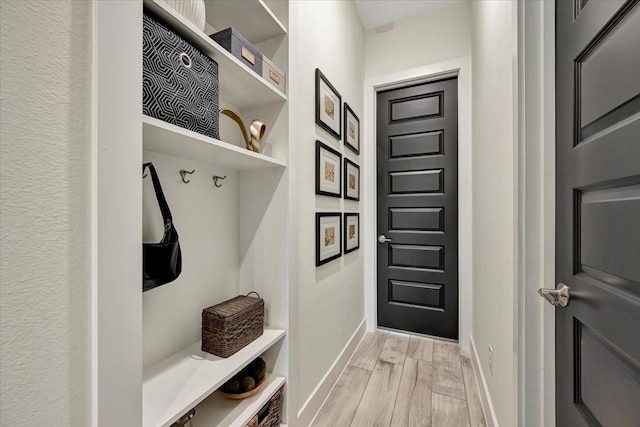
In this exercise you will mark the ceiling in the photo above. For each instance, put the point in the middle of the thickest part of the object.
(376, 13)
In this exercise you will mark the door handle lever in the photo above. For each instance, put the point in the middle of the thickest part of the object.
(383, 239)
(556, 297)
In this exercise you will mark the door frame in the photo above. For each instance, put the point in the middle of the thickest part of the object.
(536, 213)
(461, 68)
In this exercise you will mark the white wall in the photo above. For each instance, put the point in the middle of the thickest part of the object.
(45, 209)
(536, 334)
(328, 299)
(494, 202)
(433, 37)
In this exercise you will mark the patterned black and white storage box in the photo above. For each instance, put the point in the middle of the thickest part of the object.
(180, 83)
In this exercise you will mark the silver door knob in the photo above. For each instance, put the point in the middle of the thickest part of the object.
(556, 297)
(383, 239)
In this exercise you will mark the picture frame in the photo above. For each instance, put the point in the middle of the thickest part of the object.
(351, 228)
(328, 106)
(351, 129)
(328, 237)
(328, 171)
(351, 180)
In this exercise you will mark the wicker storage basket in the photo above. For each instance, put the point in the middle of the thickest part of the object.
(270, 413)
(231, 325)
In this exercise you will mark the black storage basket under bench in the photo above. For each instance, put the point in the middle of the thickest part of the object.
(179, 82)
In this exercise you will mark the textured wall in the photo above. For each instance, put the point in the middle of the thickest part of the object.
(45, 178)
(494, 143)
(330, 298)
(432, 37)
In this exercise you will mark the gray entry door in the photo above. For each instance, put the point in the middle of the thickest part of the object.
(598, 212)
(417, 158)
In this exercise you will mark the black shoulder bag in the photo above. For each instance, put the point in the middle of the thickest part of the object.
(161, 262)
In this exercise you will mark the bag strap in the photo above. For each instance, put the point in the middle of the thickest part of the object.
(164, 207)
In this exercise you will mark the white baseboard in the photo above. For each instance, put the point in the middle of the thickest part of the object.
(485, 397)
(309, 410)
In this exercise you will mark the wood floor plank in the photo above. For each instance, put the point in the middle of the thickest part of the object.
(413, 403)
(448, 411)
(395, 349)
(342, 403)
(447, 370)
(377, 403)
(366, 355)
(447, 379)
(420, 348)
(447, 352)
(476, 416)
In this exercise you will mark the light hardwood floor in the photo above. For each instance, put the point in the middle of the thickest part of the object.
(396, 380)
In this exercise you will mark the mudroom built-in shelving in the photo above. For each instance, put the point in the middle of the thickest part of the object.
(230, 230)
(239, 86)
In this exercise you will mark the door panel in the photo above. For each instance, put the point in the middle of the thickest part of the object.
(419, 144)
(416, 182)
(415, 107)
(417, 294)
(608, 74)
(603, 375)
(598, 212)
(417, 159)
(416, 219)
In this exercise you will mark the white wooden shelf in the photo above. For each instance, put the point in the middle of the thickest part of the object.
(164, 138)
(239, 86)
(218, 411)
(252, 18)
(177, 384)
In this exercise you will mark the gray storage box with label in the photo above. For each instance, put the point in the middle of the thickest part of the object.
(273, 75)
(239, 47)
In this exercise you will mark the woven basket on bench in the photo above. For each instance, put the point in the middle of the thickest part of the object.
(231, 325)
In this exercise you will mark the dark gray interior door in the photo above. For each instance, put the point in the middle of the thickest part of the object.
(598, 212)
(417, 158)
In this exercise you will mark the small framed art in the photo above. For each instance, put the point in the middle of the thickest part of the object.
(328, 237)
(328, 105)
(351, 180)
(328, 170)
(351, 232)
(351, 129)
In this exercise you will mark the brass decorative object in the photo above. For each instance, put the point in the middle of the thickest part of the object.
(256, 130)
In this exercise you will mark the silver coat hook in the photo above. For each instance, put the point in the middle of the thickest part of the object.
(216, 178)
(184, 173)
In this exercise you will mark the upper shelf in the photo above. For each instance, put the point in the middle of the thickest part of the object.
(179, 383)
(165, 138)
(239, 86)
(252, 18)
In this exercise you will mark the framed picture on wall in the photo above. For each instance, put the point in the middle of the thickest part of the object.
(351, 180)
(328, 171)
(328, 105)
(351, 232)
(351, 129)
(328, 237)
